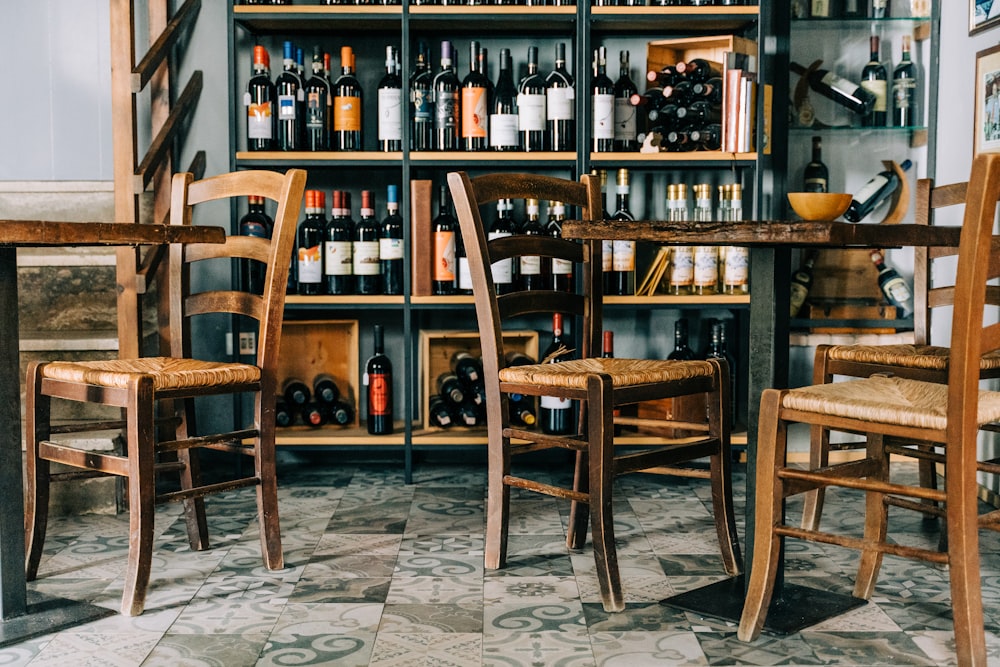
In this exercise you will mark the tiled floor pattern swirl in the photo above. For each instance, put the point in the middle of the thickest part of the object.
(386, 574)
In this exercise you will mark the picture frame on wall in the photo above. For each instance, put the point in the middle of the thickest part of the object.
(983, 14)
(986, 122)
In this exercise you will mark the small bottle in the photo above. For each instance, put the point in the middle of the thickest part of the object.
(893, 286)
(390, 104)
(325, 389)
(522, 411)
(295, 392)
(348, 104)
(836, 88)
(816, 176)
(466, 415)
(532, 273)
(378, 379)
(313, 415)
(718, 349)
(705, 277)
(445, 227)
(312, 229)
(365, 248)
(555, 413)
(260, 101)
(682, 350)
(338, 256)
(622, 275)
(736, 261)
(681, 280)
(390, 244)
(256, 223)
(801, 282)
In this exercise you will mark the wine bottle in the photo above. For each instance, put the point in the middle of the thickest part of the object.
(348, 105)
(680, 141)
(310, 244)
(608, 352)
(873, 79)
(894, 288)
(718, 349)
(522, 411)
(682, 350)
(854, 9)
(378, 379)
(338, 256)
(622, 250)
(836, 88)
(390, 104)
(626, 128)
(503, 270)
(325, 389)
(698, 113)
(467, 368)
(422, 102)
(904, 90)
(816, 176)
(365, 248)
(560, 270)
(340, 413)
(873, 193)
(503, 132)
(295, 392)
(824, 9)
(560, 104)
(801, 282)
(705, 278)
(665, 77)
(390, 244)
(450, 389)
(475, 104)
(313, 415)
(463, 276)
(445, 228)
(690, 407)
(260, 100)
(602, 96)
(466, 415)
(698, 70)
(290, 102)
(317, 92)
(679, 94)
(880, 9)
(257, 223)
(284, 415)
(533, 268)
(531, 102)
(515, 358)
(446, 105)
(555, 413)
(708, 91)
(439, 413)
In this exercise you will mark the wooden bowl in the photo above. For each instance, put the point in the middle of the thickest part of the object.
(819, 205)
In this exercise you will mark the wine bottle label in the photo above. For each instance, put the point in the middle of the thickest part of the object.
(897, 291)
(625, 122)
(444, 256)
(339, 258)
(379, 394)
(366, 259)
(390, 248)
(474, 114)
(607, 254)
(904, 93)
(880, 89)
(604, 116)
(259, 120)
(315, 111)
(554, 403)
(503, 130)
(797, 293)
(531, 265)
(503, 271)
(682, 266)
(562, 267)
(559, 103)
(446, 110)
(820, 8)
(870, 189)
(531, 112)
(464, 276)
(623, 256)
(286, 107)
(253, 228)
(706, 266)
(814, 184)
(346, 114)
(841, 85)
(422, 106)
(311, 264)
(736, 270)
(390, 119)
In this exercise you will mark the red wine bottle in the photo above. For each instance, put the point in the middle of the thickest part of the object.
(873, 79)
(602, 97)
(560, 104)
(698, 69)
(626, 128)
(340, 413)
(445, 227)
(439, 413)
(338, 259)
(836, 88)
(450, 389)
(816, 176)
(284, 414)
(348, 104)
(390, 104)
(311, 232)
(422, 102)
(873, 193)
(503, 112)
(291, 100)
(531, 104)
(367, 264)
(257, 223)
(467, 368)
(904, 90)
(390, 248)
(295, 392)
(533, 268)
(325, 389)
(503, 270)
(446, 102)
(313, 415)
(560, 270)
(378, 379)
(622, 275)
(475, 103)
(259, 100)
(556, 414)
(317, 123)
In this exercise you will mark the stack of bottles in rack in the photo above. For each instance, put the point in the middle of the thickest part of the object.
(323, 404)
(341, 256)
(461, 394)
(681, 109)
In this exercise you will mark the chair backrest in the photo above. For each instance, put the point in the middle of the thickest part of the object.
(268, 308)
(491, 310)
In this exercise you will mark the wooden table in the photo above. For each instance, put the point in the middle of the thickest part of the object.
(770, 241)
(20, 620)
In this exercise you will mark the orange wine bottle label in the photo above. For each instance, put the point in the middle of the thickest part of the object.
(347, 114)
(474, 113)
(379, 392)
(444, 256)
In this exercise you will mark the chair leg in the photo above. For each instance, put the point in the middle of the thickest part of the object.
(190, 477)
(876, 520)
(720, 470)
(267, 496)
(497, 499)
(579, 512)
(141, 493)
(600, 437)
(771, 443)
(819, 457)
(36, 500)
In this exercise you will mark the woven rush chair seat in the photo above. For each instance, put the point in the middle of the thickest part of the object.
(927, 357)
(623, 372)
(166, 372)
(887, 400)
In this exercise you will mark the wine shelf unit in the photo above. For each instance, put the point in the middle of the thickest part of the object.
(583, 28)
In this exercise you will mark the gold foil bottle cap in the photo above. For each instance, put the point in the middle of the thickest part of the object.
(682, 191)
(623, 177)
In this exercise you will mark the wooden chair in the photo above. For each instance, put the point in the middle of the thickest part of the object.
(918, 361)
(137, 385)
(883, 407)
(600, 384)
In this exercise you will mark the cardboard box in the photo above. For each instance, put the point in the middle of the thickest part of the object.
(421, 238)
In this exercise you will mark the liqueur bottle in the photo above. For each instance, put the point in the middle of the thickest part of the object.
(317, 123)
(390, 244)
(503, 134)
(531, 106)
(338, 255)
(560, 104)
(291, 99)
(260, 100)
(705, 279)
(365, 250)
(475, 104)
(626, 129)
(904, 90)
(310, 244)
(846, 93)
(736, 262)
(390, 104)
(681, 277)
(422, 102)
(873, 79)
(347, 105)
(445, 227)
(873, 193)
(816, 176)
(602, 96)
(378, 379)
(257, 223)
(446, 103)
(622, 278)
(556, 414)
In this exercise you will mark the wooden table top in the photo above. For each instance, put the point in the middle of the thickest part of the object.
(56, 233)
(765, 233)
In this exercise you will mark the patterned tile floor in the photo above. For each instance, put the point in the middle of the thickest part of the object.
(383, 573)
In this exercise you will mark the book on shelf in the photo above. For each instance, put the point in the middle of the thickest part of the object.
(421, 237)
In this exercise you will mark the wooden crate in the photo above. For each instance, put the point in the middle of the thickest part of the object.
(436, 348)
(835, 310)
(311, 347)
(844, 274)
(663, 52)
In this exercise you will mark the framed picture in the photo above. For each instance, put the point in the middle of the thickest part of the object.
(986, 125)
(983, 14)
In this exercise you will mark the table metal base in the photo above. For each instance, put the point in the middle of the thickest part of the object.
(46, 615)
(796, 607)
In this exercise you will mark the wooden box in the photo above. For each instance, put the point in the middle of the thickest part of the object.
(436, 348)
(663, 52)
(844, 275)
(311, 347)
(839, 310)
